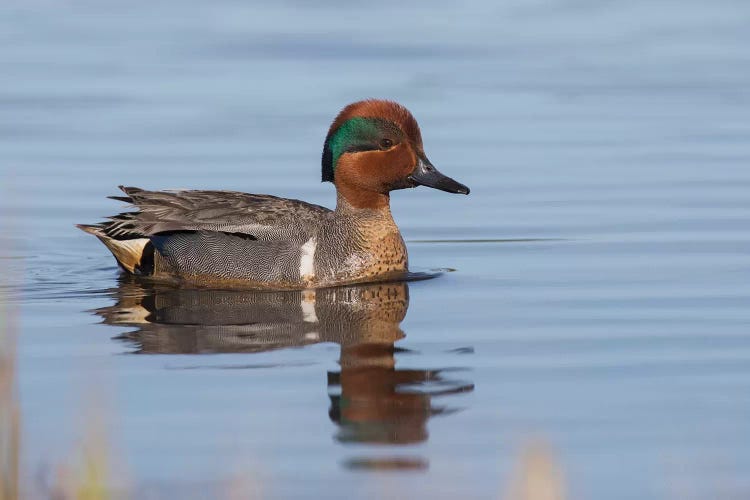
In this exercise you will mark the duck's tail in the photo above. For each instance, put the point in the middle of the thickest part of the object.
(134, 255)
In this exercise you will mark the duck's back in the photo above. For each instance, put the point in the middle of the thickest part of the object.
(262, 216)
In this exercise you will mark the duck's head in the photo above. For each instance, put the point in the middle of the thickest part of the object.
(374, 147)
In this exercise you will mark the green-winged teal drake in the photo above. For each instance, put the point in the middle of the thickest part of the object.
(261, 241)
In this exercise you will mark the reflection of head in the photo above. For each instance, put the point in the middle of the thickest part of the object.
(380, 404)
(370, 407)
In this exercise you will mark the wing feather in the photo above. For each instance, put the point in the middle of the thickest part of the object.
(263, 217)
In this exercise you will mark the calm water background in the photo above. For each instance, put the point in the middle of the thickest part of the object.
(600, 298)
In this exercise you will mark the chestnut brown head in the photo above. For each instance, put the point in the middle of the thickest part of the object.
(376, 146)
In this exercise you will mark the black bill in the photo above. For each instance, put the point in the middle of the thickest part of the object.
(427, 175)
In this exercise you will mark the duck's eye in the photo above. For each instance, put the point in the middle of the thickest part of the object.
(386, 143)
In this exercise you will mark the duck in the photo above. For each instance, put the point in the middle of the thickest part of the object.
(259, 241)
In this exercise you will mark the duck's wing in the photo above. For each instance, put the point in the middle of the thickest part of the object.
(261, 217)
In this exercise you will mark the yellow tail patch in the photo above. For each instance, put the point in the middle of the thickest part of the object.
(127, 252)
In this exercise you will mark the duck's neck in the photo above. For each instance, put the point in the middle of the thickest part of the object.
(372, 223)
(366, 204)
(362, 199)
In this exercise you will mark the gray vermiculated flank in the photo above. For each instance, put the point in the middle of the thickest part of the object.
(228, 256)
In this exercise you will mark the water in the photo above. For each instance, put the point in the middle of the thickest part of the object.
(600, 292)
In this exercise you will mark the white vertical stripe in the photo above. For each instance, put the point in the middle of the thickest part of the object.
(307, 259)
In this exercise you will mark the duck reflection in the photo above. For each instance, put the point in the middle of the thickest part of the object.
(371, 400)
